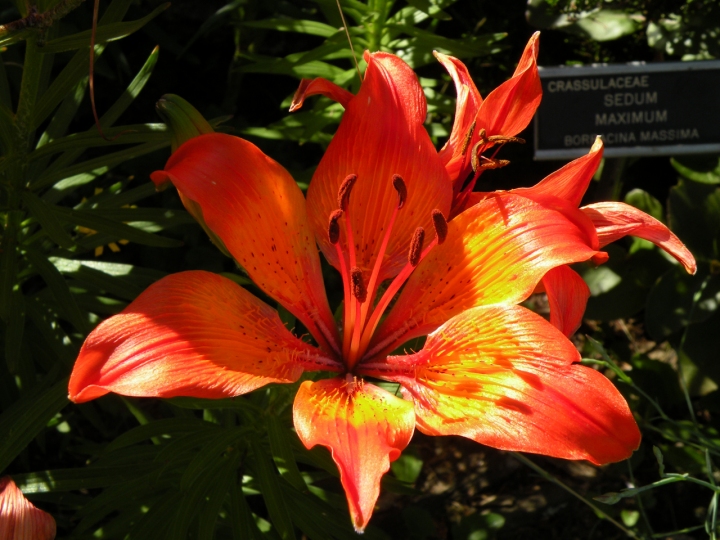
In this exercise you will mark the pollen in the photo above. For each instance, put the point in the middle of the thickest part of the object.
(334, 226)
(416, 245)
(343, 198)
(399, 185)
(440, 225)
(359, 289)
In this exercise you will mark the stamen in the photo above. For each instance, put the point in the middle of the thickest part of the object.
(440, 225)
(334, 227)
(468, 138)
(504, 139)
(493, 163)
(344, 191)
(399, 185)
(358, 287)
(416, 245)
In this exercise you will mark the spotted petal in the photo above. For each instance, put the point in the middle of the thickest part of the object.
(381, 134)
(365, 428)
(505, 377)
(19, 519)
(257, 210)
(191, 334)
(495, 252)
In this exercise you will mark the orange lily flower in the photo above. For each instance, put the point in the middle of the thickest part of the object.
(490, 370)
(19, 519)
(505, 112)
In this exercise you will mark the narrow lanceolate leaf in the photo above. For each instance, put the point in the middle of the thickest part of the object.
(505, 377)
(272, 491)
(75, 69)
(281, 448)
(56, 283)
(312, 28)
(26, 418)
(103, 34)
(87, 171)
(46, 216)
(96, 221)
(14, 330)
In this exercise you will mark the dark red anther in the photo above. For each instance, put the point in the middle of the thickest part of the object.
(359, 289)
(344, 192)
(440, 224)
(399, 185)
(416, 245)
(334, 226)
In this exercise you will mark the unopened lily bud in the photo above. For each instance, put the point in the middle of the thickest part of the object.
(183, 120)
(19, 519)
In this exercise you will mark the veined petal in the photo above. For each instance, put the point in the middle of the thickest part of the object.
(19, 519)
(191, 334)
(504, 377)
(571, 181)
(614, 220)
(365, 428)
(257, 210)
(381, 134)
(567, 294)
(311, 87)
(508, 109)
(495, 252)
(466, 107)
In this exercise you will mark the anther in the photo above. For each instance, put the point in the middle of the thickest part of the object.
(334, 226)
(494, 164)
(440, 224)
(344, 192)
(503, 139)
(399, 185)
(468, 138)
(416, 245)
(358, 286)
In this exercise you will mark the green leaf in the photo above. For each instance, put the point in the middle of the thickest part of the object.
(123, 280)
(312, 28)
(671, 304)
(14, 330)
(89, 170)
(407, 467)
(96, 220)
(272, 491)
(281, 449)
(45, 215)
(103, 34)
(76, 68)
(694, 215)
(241, 519)
(28, 417)
(703, 169)
(157, 428)
(57, 284)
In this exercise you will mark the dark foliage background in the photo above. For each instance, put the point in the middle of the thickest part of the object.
(176, 469)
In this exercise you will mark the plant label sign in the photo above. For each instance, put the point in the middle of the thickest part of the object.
(662, 109)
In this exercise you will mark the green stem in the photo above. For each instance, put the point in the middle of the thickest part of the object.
(545, 474)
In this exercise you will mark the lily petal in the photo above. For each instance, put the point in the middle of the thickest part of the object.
(19, 519)
(614, 220)
(466, 107)
(567, 294)
(365, 428)
(381, 135)
(258, 212)
(191, 334)
(495, 252)
(508, 109)
(504, 377)
(571, 181)
(311, 87)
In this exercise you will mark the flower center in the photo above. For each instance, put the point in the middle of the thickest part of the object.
(360, 317)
